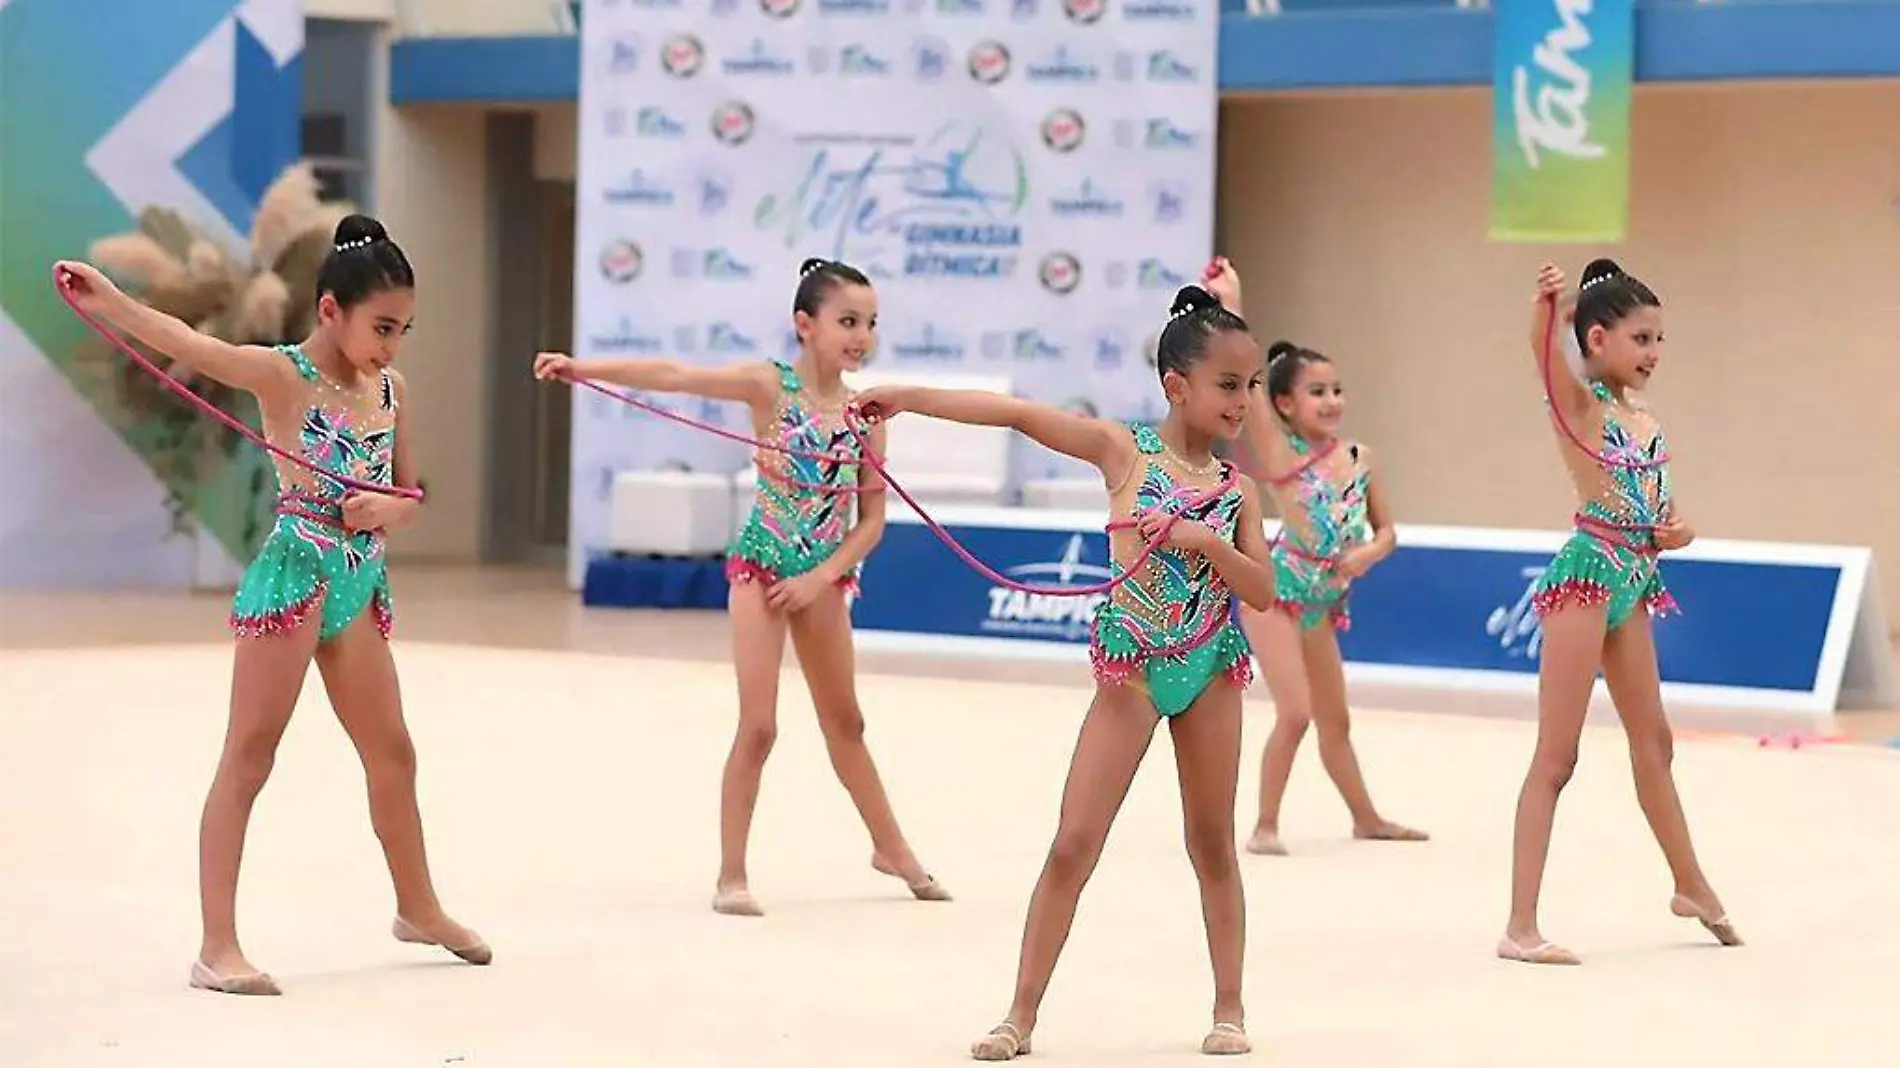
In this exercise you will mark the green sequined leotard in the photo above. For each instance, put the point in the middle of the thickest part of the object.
(1171, 629)
(1306, 554)
(795, 527)
(1612, 557)
(310, 563)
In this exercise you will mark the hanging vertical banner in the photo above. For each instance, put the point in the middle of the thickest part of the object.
(1561, 120)
(1026, 183)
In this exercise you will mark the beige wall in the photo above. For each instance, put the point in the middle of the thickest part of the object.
(432, 191)
(359, 10)
(1767, 217)
(478, 18)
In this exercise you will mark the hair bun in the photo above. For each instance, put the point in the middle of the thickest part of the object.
(1192, 299)
(811, 265)
(1598, 270)
(359, 230)
(1280, 348)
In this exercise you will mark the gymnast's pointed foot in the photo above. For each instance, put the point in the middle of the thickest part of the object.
(923, 885)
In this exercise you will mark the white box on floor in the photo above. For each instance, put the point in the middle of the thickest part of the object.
(670, 513)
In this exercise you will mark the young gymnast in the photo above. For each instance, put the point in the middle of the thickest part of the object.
(1334, 528)
(794, 565)
(1595, 599)
(319, 587)
(1164, 645)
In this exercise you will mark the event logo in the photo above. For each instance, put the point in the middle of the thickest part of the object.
(1031, 346)
(725, 339)
(656, 124)
(1084, 202)
(933, 344)
(1042, 615)
(970, 8)
(682, 55)
(1025, 10)
(1518, 623)
(931, 58)
(1559, 119)
(732, 122)
(1166, 67)
(1059, 273)
(1153, 274)
(1108, 350)
(1085, 12)
(639, 191)
(1063, 130)
(623, 55)
(857, 61)
(715, 192)
(1062, 67)
(1157, 11)
(989, 62)
(779, 9)
(1158, 134)
(942, 207)
(757, 61)
(647, 5)
(621, 262)
(854, 7)
(622, 338)
(713, 264)
(1169, 201)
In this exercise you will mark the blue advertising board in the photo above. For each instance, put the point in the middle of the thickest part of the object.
(1762, 625)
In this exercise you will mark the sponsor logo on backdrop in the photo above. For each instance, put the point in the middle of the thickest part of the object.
(1156, 134)
(989, 62)
(623, 55)
(1025, 10)
(931, 58)
(1516, 626)
(715, 193)
(682, 55)
(1108, 349)
(1063, 130)
(645, 5)
(1085, 11)
(1040, 615)
(965, 8)
(1169, 201)
(854, 7)
(1059, 273)
(1085, 202)
(621, 262)
(638, 190)
(858, 61)
(931, 344)
(758, 60)
(713, 264)
(625, 337)
(725, 339)
(944, 206)
(733, 122)
(778, 9)
(1153, 274)
(1062, 66)
(1157, 11)
(651, 123)
(1021, 346)
(1166, 67)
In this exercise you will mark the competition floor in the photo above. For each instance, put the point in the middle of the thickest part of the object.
(570, 767)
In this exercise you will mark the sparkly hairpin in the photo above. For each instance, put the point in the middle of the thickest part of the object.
(361, 242)
(811, 265)
(1594, 281)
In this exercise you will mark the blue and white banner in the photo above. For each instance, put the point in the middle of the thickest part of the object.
(1780, 627)
(1026, 181)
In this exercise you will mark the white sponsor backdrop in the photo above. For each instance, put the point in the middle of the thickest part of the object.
(1026, 181)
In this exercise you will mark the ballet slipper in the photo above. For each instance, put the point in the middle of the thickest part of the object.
(1541, 953)
(1719, 926)
(1266, 844)
(1226, 1039)
(1005, 1042)
(736, 902)
(474, 951)
(925, 889)
(1390, 832)
(252, 983)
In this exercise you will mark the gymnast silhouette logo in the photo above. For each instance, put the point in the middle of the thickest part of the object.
(1516, 626)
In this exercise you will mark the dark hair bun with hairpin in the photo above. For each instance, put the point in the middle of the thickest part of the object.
(1280, 348)
(359, 229)
(1192, 299)
(811, 265)
(1597, 270)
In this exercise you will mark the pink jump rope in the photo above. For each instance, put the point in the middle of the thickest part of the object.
(68, 284)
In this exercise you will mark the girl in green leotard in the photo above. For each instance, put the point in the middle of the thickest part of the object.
(318, 589)
(1595, 599)
(794, 565)
(1334, 527)
(1164, 645)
